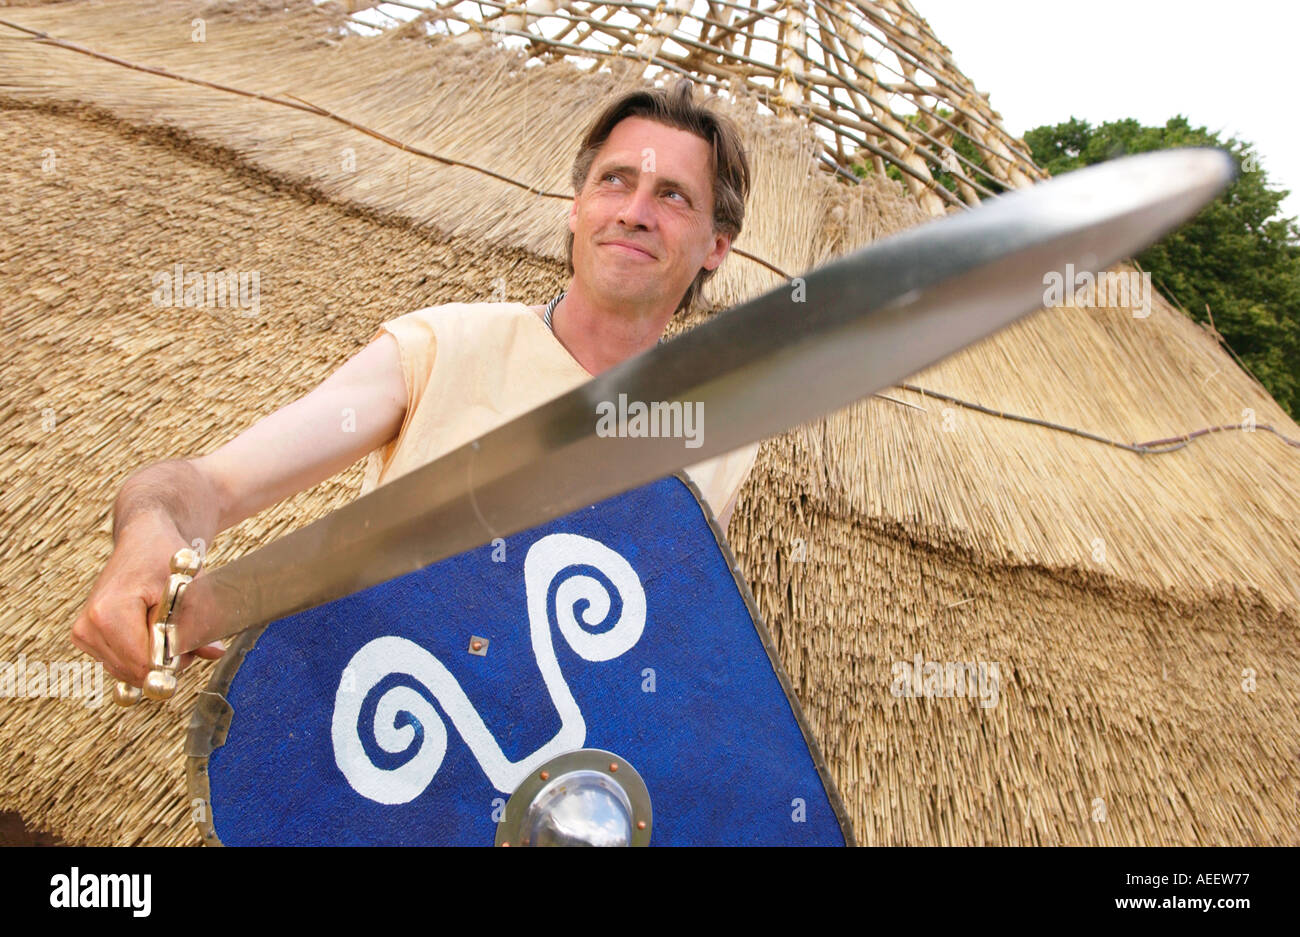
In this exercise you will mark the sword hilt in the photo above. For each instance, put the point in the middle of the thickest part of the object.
(160, 684)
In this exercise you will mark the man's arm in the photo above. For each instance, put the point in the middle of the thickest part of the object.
(356, 409)
(165, 506)
(174, 493)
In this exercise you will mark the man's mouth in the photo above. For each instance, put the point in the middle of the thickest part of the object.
(632, 250)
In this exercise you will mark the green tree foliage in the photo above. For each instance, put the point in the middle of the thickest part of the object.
(1237, 257)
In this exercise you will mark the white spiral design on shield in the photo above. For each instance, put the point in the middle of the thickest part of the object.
(581, 602)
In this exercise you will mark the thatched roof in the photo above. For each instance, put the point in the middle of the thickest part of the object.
(1124, 594)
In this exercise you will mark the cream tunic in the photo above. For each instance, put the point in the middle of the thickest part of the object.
(470, 367)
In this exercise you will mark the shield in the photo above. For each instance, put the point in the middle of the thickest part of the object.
(407, 713)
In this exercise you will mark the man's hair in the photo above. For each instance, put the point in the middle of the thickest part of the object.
(677, 109)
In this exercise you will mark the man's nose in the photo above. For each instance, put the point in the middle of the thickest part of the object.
(638, 208)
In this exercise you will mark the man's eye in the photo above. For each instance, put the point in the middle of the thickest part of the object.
(678, 194)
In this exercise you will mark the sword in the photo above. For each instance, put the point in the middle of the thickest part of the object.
(852, 327)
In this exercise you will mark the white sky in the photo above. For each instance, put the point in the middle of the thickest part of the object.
(1229, 67)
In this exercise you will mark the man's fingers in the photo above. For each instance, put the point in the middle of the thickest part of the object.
(100, 651)
(211, 651)
(207, 652)
(129, 646)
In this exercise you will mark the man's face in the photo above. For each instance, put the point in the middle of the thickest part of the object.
(649, 186)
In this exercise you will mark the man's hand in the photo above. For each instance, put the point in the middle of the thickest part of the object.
(113, 625)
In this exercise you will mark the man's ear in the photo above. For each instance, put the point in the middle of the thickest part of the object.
(573, 216)
(721, 245)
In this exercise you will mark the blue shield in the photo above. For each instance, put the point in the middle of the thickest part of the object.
(407, 713)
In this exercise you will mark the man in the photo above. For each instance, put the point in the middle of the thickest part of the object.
(660, 185)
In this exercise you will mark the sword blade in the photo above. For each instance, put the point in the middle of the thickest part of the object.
(863, 322)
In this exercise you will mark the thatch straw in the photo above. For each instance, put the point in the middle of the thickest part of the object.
(1121, 676)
